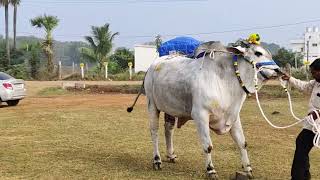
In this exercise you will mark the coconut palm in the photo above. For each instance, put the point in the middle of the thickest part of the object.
(100, 45)
(15, 4)
(6, 3)
(48, 23)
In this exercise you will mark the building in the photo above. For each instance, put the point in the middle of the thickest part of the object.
(144, 56)
(308, 45)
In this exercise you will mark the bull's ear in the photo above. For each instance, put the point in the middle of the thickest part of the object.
(237, 50)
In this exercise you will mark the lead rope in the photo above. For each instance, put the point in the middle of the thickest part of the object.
(259, 105)
(315, 125)
(309, 119)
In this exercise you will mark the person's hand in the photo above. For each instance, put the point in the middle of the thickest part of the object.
(285, 77)
(314, 115)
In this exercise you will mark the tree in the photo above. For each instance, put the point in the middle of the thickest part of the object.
(73, 53)
(15, 4)
(3, 58)
(48, 23)
(6, 3)
(122, 57)
(100, 45)
(16, 57)
(158, 41)
(113, 67)
(34, 59)
(284, 56)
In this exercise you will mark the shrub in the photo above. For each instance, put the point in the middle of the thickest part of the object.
(93, 76)
(18, 71)
(301, 73)
(125, 76)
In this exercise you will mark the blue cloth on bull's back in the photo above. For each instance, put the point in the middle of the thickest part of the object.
(184, 45)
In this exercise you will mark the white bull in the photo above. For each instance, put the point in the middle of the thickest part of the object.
(206, 90)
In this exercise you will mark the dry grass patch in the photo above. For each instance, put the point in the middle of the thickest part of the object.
(93, 137)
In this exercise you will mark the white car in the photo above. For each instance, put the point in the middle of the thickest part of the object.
(11, 90)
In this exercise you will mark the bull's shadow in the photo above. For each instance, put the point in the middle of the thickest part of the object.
(4, 106)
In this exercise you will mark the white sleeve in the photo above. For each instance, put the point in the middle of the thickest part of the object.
(302, 85)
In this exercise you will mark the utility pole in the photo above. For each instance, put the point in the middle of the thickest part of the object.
(73, 67)
(307, 59)
(130, 70)
(307, 51)
(82, 71)
(60, 70)
(295, 60)
(106, 69)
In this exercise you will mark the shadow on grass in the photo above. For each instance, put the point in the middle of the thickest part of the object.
(125, 165)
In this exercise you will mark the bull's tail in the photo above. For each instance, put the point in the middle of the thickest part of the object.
(141, 91)
(130, 109)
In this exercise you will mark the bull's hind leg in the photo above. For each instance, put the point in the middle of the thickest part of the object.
(154, 127)
(238, 136)
(169, 129)
(202, 122)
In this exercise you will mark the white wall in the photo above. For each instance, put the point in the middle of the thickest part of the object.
(297, 45)
(311, 38)
(144, 56)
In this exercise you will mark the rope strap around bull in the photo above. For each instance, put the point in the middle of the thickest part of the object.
(309, 119)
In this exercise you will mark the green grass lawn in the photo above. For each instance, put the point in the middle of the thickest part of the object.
(105, 142)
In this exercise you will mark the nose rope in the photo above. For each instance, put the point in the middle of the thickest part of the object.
(309, 119)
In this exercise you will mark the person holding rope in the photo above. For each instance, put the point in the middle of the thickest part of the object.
(304, 142)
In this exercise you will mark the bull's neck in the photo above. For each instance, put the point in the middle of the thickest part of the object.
(223, 70)
(247, 74)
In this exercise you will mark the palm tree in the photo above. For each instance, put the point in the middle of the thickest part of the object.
(49, 23)
(100, 45)
(15, 4)
(6, 3)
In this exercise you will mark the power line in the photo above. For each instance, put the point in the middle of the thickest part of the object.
(234, 30)
(110, 2)
(193, 34)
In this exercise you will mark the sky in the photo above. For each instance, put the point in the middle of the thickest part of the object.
(139, 21)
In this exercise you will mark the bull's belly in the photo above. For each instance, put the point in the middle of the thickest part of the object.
(174, 104)
(174, 107)
(174, 98)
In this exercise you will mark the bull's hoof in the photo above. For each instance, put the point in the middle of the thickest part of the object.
(250, 175)
(213, 176)
(240, 175)
(172, 159)
(157, 166)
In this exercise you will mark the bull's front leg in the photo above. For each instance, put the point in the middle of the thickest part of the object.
(238, 137)
(202, 122)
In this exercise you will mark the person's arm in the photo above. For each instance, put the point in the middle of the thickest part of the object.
(306, 86)
(301, 85)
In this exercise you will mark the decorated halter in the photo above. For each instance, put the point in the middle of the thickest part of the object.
(237, 72)
(254, 65)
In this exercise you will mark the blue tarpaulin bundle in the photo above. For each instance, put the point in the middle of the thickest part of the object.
(184, 45)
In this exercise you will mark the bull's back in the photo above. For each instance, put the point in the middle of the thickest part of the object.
(168, 84)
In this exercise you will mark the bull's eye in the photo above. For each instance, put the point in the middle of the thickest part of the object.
(258, 54)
